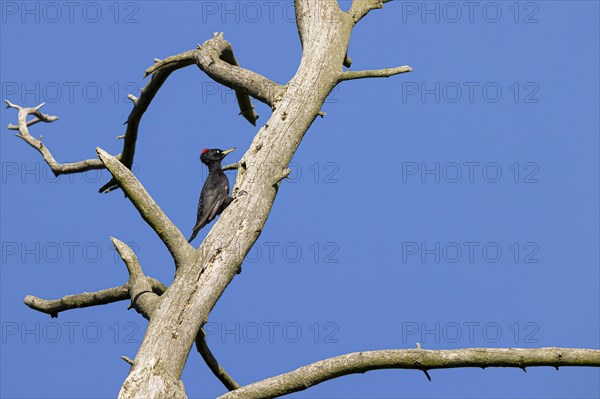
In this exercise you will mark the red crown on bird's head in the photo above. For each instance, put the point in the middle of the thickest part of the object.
(204, 151)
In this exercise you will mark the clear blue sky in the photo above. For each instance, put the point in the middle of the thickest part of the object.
(456, 206)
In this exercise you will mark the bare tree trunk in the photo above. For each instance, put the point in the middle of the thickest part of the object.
(177, 314)
(201, 281)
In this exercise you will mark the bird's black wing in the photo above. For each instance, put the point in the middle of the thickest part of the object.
(214, 193)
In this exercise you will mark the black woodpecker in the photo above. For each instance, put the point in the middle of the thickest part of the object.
(214, 197)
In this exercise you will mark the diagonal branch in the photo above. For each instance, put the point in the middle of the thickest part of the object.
(212, 363)
(200, 283)
(184, 59)
(87, 299)
(415, 359)
(360, 8)
(374, 73)
(140, 105)
(143, 299)
(22, 127)
(170, 235)
(216, 58)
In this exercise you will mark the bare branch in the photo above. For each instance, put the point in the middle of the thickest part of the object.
(22, 127)
(416, 359)
(183, 59)
(375, 73)
(127, 360)
(232, 166)
(31, 122)
(133, 99)
(199, 284)
(360, 8)
(212, 363)
(130, 136)
(140, 291)
(140, 105)
(170, 235)
(87, 299)
(216, 58)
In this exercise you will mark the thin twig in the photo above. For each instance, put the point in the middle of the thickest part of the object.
(375, 73)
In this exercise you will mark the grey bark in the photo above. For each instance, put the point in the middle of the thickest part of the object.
(200, 282)
(213, 364)
(87, 299)
(143, 298)
(412, 359)
(176, 315)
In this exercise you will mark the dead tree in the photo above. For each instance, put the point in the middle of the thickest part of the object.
(176, 315)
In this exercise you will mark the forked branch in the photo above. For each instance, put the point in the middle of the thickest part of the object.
(415, 359)
(143, 299)
(140, 105)
(149, 210)
(87, 299)
(360, 8)
(216, 58)
(325, 31)
(22, 127)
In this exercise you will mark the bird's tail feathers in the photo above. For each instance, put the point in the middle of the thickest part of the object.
(194, 234)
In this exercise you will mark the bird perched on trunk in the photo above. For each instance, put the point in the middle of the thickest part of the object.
(214, 197)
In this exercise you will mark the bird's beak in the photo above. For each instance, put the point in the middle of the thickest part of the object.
(228, 151)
